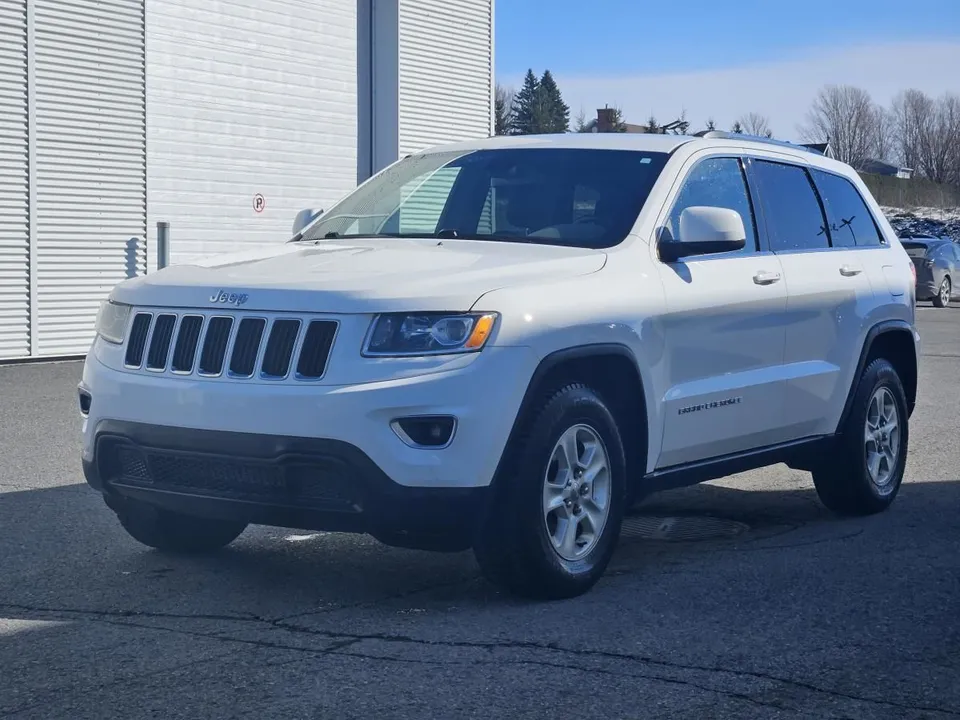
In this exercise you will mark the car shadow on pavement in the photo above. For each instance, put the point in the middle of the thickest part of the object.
(62, 549)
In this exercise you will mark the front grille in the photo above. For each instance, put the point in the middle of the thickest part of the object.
(310, 482)
(239, 345)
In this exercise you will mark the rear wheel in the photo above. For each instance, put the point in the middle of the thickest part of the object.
(864, 475)
(942, 298)
(554, 521)
(175, 532)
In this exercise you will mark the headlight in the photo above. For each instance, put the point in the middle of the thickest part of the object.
(411, 334)
(112, 321)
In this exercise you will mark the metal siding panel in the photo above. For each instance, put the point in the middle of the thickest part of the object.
(90, 162)
(14, 183)
(446, 71)
(247, 97)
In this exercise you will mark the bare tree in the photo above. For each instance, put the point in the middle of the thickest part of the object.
(844, 116)
(912, 121)
(884, 129)
(755, 124)
(503, 109)
(939, 150)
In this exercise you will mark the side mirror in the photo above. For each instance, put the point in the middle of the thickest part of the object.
(705, 231)
(304, 218)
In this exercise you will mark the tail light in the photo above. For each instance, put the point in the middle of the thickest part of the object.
(913, 272)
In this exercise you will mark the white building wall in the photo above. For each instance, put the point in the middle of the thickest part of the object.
(14, 184)
(445, 72)
(116, 114)
(247, 98)
(89, 176)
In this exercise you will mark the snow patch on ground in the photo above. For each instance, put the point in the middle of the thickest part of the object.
(933, 221)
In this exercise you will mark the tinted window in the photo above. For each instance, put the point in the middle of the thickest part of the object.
(716, 182)
(563, 196)
(850, 220)
(792, 212)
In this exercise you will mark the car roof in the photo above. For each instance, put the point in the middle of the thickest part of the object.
(643, 142)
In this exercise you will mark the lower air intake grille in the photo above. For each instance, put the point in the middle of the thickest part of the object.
(316, 483)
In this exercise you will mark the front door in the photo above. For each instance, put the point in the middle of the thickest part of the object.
(723, 330)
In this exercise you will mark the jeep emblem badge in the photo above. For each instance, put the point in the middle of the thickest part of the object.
(222, 296)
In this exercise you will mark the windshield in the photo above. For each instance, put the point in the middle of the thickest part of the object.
(577, 197)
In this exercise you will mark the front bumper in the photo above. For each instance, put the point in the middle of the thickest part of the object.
(289, 482)
(306, 456)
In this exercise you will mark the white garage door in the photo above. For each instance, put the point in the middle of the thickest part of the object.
(14, 211)
(252, 116)
(90, 162)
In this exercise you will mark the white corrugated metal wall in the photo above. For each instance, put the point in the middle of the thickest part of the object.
(115, 114)
(445, 72)
(14, 183)
(247, 98)
(90, 162)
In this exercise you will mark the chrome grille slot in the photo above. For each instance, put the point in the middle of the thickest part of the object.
(160, 342)
(246, 346)
(137, 343)
(316, 349)
(279, 352)
(215, 345)
(185, 350)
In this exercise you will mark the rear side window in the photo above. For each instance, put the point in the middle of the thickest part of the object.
(792, 211)
(850, 221)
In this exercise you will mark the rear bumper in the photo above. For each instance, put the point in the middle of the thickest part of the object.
(294, 482)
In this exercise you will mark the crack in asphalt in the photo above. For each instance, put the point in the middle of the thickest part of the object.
(345, 640)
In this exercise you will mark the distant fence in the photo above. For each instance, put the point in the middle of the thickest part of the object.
(913, 193)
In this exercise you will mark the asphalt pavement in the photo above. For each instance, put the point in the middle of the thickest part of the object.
(799, 614)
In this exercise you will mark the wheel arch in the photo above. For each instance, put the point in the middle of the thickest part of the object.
(613, 371)
(894, 341)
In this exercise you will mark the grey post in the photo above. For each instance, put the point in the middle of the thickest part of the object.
(163, 244)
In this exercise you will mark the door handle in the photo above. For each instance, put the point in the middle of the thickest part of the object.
(765, 277)
(850, 270)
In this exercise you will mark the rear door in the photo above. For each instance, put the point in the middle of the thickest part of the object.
(723, 328)
(829, 291)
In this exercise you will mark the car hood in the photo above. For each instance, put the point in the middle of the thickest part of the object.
(358, 275)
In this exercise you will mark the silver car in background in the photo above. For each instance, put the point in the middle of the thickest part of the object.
(937, 261)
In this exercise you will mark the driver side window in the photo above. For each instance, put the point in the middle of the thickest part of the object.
(716, 182)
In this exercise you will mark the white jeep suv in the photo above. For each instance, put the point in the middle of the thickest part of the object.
(502, 344)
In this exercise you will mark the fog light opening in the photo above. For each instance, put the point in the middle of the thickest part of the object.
(426, 431)
(85, 400)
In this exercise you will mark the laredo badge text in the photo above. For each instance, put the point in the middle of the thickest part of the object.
(710, 405)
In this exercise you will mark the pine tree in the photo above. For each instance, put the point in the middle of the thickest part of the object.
(556, 113)
(652, 126)
(527, 106)
(711, 125)
(737, 128)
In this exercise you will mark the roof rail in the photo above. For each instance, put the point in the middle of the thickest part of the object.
(724, 135)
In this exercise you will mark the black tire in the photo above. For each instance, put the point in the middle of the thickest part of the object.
(942, 298)
(513, 547)
(843, 480)
(176, 533)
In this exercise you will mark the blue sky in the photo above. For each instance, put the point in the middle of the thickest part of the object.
(626, 48)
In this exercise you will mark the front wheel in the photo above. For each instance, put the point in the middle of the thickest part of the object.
(555, 518)
(176, 533)
(942, 298)
(864, 475)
